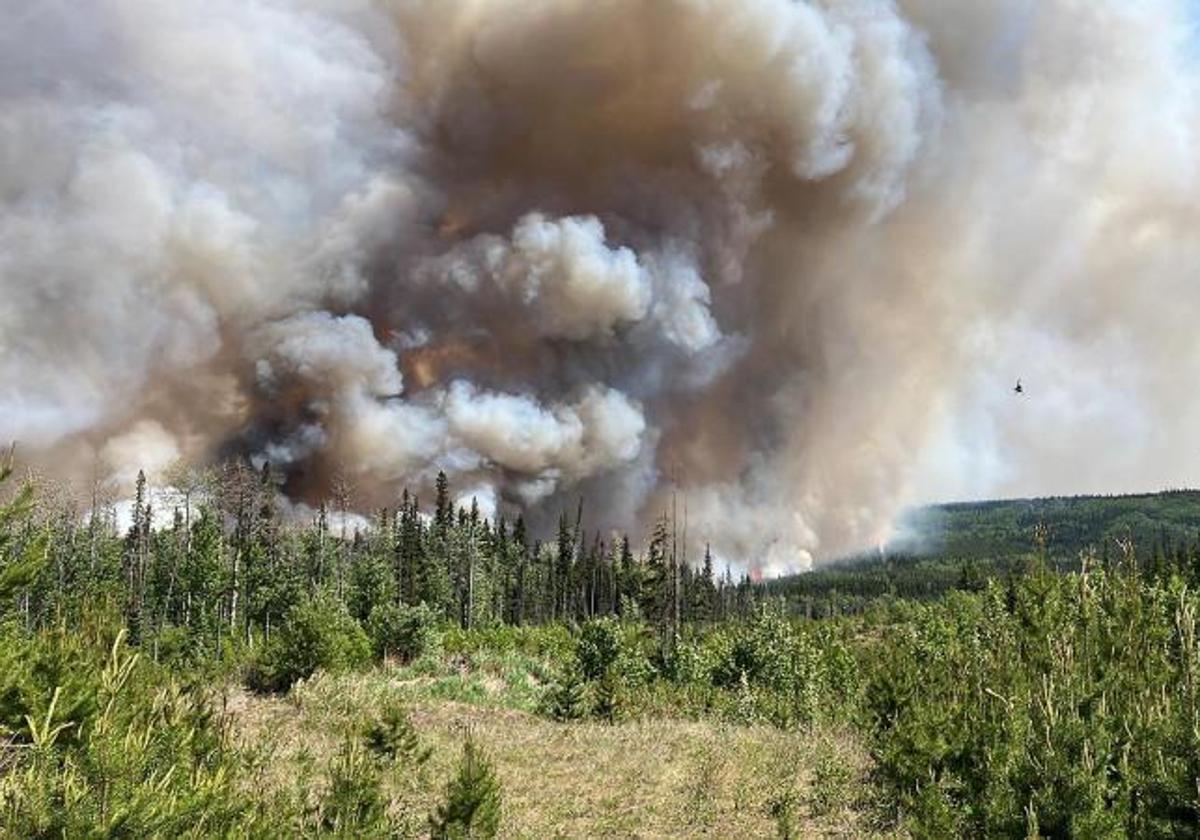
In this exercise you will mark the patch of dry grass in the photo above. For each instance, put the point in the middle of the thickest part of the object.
(639, 779)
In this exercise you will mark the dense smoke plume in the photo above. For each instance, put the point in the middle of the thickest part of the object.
(785, 256)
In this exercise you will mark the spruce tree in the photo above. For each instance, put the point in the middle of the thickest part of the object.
(19, 564)
(654, 598)
(392, 737)
(472, 807)
(443, 511)
(629, 592)
(521, 547)
(567, 699)
(136, 551)
(706, 598)
(564, 561)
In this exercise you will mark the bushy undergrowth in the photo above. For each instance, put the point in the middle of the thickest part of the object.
(781, 672)
(472, 807)
(318, 633)
(1055, 707)
(770, 670)
(608, 662)
(403, 631)
(97, 743)
(553, 642)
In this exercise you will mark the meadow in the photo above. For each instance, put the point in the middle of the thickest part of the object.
(162, 695)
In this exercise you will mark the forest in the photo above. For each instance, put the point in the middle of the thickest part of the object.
(960, 546)
(216, 670)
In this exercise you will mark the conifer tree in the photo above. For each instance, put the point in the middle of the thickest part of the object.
(19, 564)
(202, 576)
(630, 590)
(470, 562)
(472, 807)
(136, 552)
(541, 586)
(705, 590)
(567, 700)
(392, 737)
(520, 547)
(564, 561)
(654, 598)
(409, 552)
(443, 510)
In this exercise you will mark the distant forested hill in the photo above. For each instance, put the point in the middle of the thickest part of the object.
(987, 530)
(961, 545)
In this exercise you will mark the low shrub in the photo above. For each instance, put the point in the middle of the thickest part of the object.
(598, 647)
(111, 748)
(403, 631)
(471, 810)
(391, 737)
(551, 641)
(354, 803)
(567, 698)
(318, 633)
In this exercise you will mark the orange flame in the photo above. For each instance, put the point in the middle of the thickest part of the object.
(425, 366)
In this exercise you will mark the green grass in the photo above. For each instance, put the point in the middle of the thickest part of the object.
(648, 778)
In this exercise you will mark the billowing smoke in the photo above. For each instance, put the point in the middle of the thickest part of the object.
(785, 256)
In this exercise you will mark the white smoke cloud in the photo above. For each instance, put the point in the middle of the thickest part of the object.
(319, 347)
(146, 447)
(601, 431)
(561, 271)
(787, 256)
(577, 284)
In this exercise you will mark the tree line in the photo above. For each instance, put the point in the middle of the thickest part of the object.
(225, 563)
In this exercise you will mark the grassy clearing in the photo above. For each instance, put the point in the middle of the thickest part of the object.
(644, 778)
